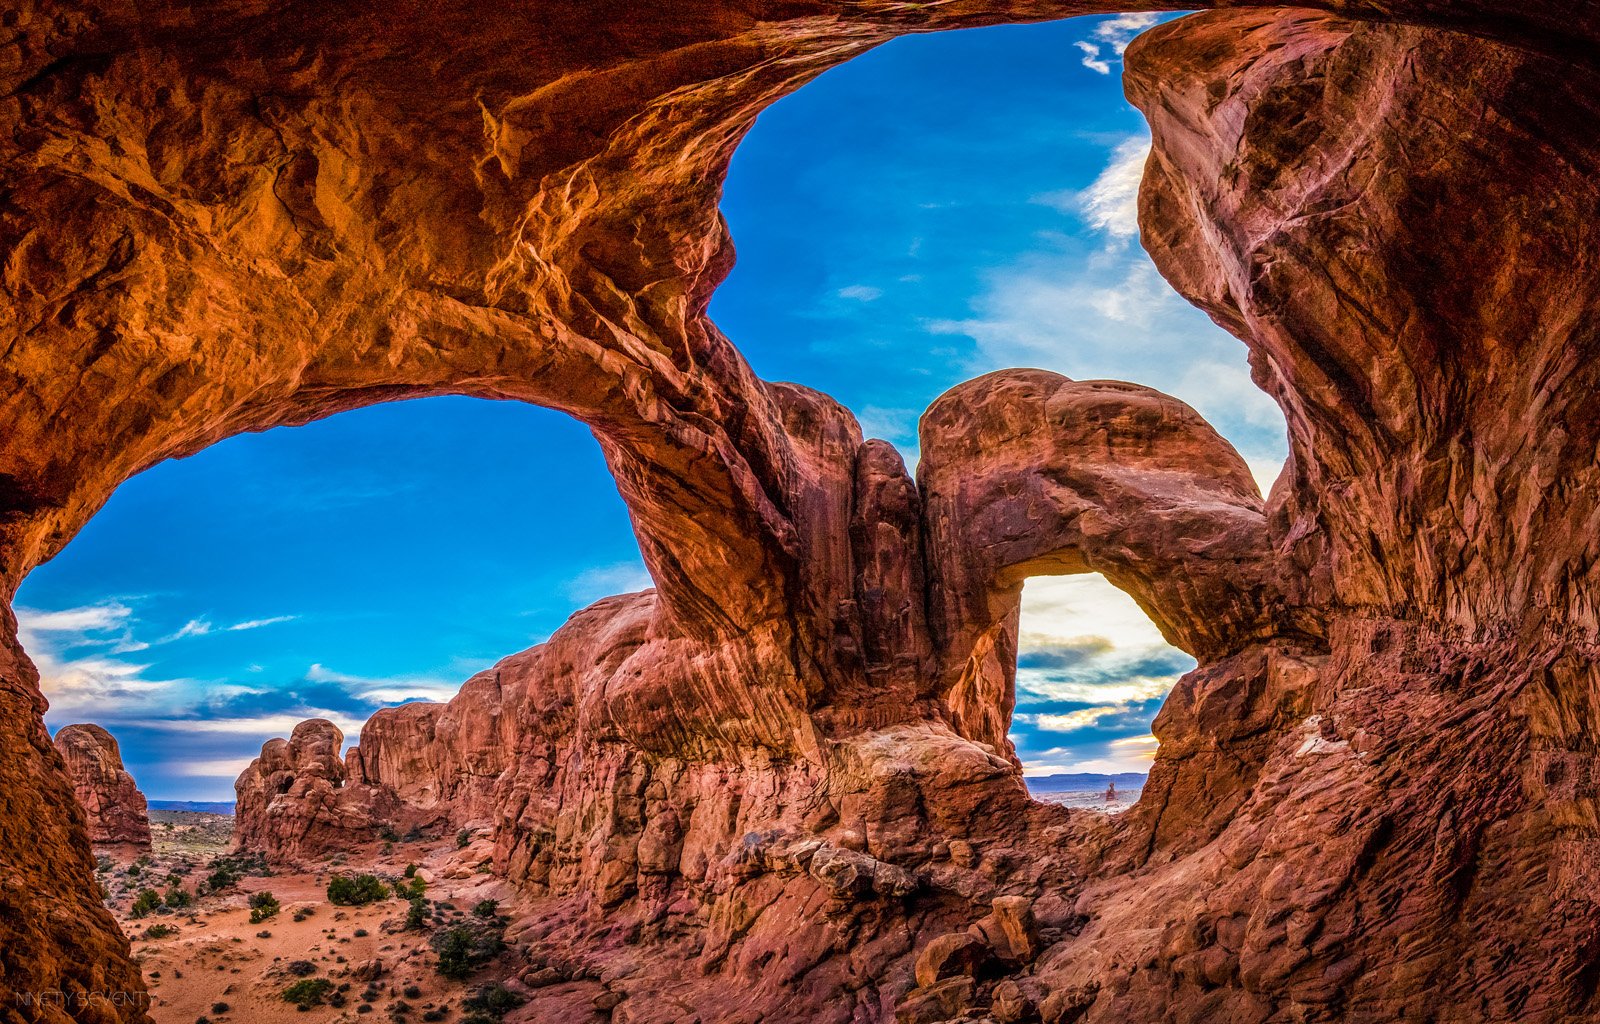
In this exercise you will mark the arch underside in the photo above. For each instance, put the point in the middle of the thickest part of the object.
(275, 216)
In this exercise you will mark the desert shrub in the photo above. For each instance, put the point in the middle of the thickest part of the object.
(493, 1001)
(463, 838)
(356, 890)
(219, 1007)
(228, 869)
(178, 897)
(308, 992)
(160, 931)
(262, 906)
(360, 933)
(417, 915)
(412, 992)
(102, 863)
(146, 902)
(301, 968)
(487, 909)
(388, 834)
(465, 948)
(411, 871)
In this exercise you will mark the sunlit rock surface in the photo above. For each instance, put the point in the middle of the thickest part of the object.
(119, 820)
(782, 774)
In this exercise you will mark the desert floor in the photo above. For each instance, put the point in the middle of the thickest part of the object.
(221, 968)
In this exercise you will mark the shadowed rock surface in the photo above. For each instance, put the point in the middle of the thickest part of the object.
(117, 816)
(783, 774)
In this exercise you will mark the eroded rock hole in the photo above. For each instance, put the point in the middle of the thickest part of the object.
(1092, 672)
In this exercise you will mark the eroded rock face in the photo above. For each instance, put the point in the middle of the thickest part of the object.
(299, 797)
(118, 817)
(786, 765)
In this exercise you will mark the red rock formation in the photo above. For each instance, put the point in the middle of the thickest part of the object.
(118, 818)
(298, 797)
(787, 764)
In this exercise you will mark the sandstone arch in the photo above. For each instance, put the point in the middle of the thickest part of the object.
(204, 236)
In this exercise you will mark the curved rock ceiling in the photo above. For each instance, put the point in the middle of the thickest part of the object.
(1372, 798)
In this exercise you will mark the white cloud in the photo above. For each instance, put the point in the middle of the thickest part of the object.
(1071, 721)
(606, 580)
(1136, 744)
(221, 768)
(83, 686)
(391, 690)
(1081, 640)
(1111, 203)
(87, 619)
(1119, 31)
(889, 424)
(1266, 472)
(1093, 765)
(265, 726)
(1110, 315)
(194, 627)
(400, 694)
(1091, 58)
(860, 293)
(258, 623)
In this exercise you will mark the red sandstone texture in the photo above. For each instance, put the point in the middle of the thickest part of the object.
(777, 787)
(118, 818)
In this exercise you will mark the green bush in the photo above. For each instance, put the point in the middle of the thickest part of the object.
(159, 931)
(463, 838)
(487, 909)
(262, 906)
(493, 1001)
(388, 834)
(147, 901)
(465, 948)
(308, 992)
(356, 890)
(417, 916)
(178, 897)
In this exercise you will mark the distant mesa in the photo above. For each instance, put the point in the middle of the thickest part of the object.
(1085, 781)
(196, 806)
(118, 816)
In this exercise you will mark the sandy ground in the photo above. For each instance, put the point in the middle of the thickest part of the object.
(221, 968)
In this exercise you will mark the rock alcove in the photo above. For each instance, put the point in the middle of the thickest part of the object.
(274, 215)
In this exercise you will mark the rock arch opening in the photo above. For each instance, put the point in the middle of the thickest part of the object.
(1092, 672)
(379, 556)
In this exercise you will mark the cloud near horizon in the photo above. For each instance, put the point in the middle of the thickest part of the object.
(181, 727)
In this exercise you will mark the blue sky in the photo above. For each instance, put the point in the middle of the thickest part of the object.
(940, 207)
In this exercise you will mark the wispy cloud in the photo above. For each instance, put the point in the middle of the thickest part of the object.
(258, 623)
(606, 580)
(860, 293)
(1072, 721)
(215, 768)
(1110, 38)
(1111, 203)
(1109, 314)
